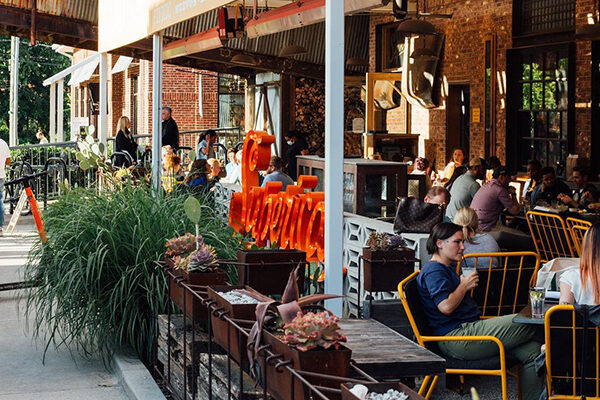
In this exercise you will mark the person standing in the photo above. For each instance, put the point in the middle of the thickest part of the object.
(125, 143)
(170, 131)
(40, 136)
(297, 146)
(205, 145)
(274, 174)
(4, 161)
(465, 186)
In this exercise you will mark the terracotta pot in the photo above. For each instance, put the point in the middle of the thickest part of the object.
(330, 362)
(380, 388)
(237, 341)
(194, 278)
(268, 271)
(380, 276)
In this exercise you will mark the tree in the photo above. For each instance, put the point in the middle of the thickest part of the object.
(37, 63)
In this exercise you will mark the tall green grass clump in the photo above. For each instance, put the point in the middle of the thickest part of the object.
(99, 288)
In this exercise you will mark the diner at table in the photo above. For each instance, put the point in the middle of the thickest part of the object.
(550, 189)
(584, 193)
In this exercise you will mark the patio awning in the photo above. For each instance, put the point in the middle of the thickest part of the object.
(80, 72)
(122, 64)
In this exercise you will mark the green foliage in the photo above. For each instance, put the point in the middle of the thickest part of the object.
(193, 209)
(36, 63)
(99, 288)
(311, 330)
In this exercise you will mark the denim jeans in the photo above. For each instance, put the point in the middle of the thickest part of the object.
(1, 202)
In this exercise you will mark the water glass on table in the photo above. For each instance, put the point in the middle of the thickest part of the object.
(536, 297)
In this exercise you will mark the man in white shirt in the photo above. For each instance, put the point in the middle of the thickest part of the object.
(4, 161)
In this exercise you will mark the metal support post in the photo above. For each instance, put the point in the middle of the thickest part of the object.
(14, 92)
(157, 50)
(102, 127)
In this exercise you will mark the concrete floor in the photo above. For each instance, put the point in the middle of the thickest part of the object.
(23, 376)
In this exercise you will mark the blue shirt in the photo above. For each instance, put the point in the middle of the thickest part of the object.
(435, 283)
(278, 176)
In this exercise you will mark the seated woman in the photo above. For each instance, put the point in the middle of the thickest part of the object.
(475, 240)
(458, 159)
(582, 286)
(215, 169)
(452, 312)
(198, 176)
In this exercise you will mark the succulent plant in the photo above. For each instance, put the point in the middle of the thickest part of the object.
(181, 246)
(202, 259)
(311, 330)
(384, 241)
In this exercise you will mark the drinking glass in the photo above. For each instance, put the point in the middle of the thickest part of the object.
(467, 270)
(537, 296)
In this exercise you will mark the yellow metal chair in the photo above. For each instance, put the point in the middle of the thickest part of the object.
(572, 355)
(504, 280)
(550, 235)
(577, 229)
(494, 366)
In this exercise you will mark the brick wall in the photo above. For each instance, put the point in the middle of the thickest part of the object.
(463, 61)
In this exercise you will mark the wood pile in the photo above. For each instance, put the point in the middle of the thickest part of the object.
(196, 375)
(310, 116)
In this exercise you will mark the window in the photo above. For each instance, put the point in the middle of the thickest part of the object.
(543, 16)
(541, 105)
(231, 101)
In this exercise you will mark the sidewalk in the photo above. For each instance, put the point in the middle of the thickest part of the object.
(22, 374)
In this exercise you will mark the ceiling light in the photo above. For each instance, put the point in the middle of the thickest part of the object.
(243, 59)
(416, 26)
(292, 50)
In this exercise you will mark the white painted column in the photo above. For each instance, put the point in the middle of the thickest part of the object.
(156, 108)
(60, 98)
(52, 112)
(334, 151)
(14, 92)
(102, 127)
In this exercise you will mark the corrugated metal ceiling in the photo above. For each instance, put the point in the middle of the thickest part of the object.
(85, 10)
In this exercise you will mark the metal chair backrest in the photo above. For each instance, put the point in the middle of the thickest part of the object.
(504, 280)
(550, 235)
(572, 353)
(411, 302)
(577, 229)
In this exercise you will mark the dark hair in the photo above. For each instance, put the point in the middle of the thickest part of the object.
(582, 170)
(441, 231)
(438, 190)
(276, 162)
(493, 162)
(169, 109)
(547, 170)
(535, 163)
(231, 150)
(210, 132)
(292, 134)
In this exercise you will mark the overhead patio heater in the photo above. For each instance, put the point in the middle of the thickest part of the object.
(231, 21)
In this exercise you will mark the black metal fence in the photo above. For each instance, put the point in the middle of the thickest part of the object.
(201, 369)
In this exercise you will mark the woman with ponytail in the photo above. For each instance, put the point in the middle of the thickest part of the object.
(475, 241)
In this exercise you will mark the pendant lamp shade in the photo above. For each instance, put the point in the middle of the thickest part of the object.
(243, 59)
(292, 50)
(416, 26)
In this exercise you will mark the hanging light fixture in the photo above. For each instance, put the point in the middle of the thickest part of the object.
(292, 50)
(243, 59)
(417, 27)
(424, 54)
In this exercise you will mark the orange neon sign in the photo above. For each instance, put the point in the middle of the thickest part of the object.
(294, 219)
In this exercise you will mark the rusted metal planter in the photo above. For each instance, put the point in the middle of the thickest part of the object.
(384, 269)
(193, 305)
(267, 271)
(329, 362)
(237, 341)
(380, 388)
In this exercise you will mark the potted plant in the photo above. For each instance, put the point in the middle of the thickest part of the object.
(196, 263)
(376, 391)
(267, 269)
(386, 261)
(305, 335)
(239, 303)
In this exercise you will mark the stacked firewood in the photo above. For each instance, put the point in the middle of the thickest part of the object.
(310, 116)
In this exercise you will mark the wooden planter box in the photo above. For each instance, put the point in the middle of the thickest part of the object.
(330, 362)
(380, 276)
(237, 341)
(176, 292)
(267, 271)
(380, 388)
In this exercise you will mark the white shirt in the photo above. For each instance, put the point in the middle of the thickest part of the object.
(572, 278)
(4, 154)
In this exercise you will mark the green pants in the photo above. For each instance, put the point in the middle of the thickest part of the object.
(518, 341)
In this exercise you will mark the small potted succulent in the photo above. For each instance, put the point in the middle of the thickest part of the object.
(239, 303)
(196, 262)
(378, 391)
(304, 334)
(386, 261)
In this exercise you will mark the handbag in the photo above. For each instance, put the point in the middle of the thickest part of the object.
(416, 216)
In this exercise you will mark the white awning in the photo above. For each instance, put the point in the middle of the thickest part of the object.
(89, 64)
(122, 64)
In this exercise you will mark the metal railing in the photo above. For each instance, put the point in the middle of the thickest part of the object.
(192, 381)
